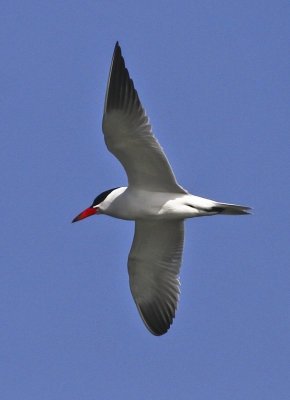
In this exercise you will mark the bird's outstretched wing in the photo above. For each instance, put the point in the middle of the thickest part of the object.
(128, 134)
(154, 264)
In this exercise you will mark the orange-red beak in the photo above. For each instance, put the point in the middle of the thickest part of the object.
(89, 211)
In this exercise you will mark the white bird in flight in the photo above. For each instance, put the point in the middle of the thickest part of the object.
(153, 199)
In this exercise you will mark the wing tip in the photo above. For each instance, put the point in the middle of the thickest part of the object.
(116, 48)
(117, 74)
(163, 326)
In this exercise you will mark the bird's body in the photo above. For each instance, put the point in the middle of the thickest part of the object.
(153, 199)
(134, 204)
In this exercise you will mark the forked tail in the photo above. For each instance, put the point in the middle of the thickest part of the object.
(231, 209)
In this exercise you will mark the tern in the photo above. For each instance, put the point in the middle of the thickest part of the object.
(153, 199)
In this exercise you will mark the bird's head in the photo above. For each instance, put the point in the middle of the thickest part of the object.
(94, 208)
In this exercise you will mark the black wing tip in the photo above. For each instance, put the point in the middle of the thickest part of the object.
(157, 331)
(120, 94)
(117, 53)
(117, 48)
(157, 326)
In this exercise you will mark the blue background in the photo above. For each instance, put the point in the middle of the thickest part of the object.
(214, 79)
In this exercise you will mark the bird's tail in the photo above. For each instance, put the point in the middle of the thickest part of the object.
(231, 209)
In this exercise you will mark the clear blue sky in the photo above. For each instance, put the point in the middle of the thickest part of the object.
(214, 79)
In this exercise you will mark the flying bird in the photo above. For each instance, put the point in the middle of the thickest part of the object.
(153, 199)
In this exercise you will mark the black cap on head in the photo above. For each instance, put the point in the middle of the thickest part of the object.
(101, 197)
